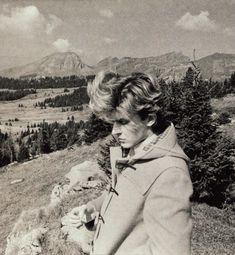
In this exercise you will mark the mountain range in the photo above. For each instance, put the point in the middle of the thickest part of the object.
(169, 66)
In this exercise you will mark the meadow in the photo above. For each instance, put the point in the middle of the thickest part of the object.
(27, 114)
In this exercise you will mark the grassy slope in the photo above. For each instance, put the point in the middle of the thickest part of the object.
(212, 227)
(226, 104)
(40, 176)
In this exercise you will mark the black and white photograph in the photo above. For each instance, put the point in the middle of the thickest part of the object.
(117, 127)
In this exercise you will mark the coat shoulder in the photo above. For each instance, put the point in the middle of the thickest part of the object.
(146, 173)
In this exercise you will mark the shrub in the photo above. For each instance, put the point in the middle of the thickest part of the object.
(223, 118)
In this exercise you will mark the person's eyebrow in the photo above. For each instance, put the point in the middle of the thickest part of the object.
(123, 120)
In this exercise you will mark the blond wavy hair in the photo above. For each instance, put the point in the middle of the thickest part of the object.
(137, 93)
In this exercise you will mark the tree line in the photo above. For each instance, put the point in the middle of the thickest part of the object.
(45, 82)
(77, 98)
(7, 95)
(216, 88)
(47, 137)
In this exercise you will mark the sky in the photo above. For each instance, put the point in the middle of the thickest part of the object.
(96, 29)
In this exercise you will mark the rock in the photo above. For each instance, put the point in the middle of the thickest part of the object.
(30, 244)
(17, 181)
(26, 235)
(82, 236)
(84, 172)
(82, 176)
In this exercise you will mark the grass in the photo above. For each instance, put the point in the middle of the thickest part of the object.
(226, 104)
(223, 103)
(213, 228)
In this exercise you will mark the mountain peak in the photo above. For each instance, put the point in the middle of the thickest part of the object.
(55, 64)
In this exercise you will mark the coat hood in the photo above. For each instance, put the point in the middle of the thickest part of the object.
(155, 146)
(158, 146)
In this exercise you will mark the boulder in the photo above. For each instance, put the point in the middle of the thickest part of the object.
(82, 176)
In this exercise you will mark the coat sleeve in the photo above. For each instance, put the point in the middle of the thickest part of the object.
(167, 214)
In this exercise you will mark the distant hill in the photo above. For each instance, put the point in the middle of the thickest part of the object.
(217, 66)
(169, 66)
(57, 64)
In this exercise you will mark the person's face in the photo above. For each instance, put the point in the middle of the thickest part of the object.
(129, 130)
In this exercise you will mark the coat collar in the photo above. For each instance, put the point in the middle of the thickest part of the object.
(142, 168)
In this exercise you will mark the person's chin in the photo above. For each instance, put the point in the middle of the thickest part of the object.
(126, 145)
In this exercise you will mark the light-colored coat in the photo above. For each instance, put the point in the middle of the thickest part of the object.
(148, 210)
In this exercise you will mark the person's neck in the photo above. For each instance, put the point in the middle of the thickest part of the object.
(135, 148)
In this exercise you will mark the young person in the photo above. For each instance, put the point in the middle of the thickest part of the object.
(147, 208)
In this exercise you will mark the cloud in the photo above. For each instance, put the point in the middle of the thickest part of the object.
(229, 31)
(200, 22)
(53, 22)
(62, 45)
(27, 20)
(106, 13)
(108, 40)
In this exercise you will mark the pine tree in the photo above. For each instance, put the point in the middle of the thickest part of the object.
(211, 167)
(95, 129)
(104, 157)
(23, 152)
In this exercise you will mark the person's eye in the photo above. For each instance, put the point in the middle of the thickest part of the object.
(123, 121)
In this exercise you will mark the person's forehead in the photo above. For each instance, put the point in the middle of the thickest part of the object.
(121, 114)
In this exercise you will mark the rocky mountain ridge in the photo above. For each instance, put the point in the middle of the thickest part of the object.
(169, 66)
(57, 64)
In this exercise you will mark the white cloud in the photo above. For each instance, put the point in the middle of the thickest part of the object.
(106, 13)
(200, 22)
(62, 45)
(229, 31)
(108, 40)
(27, 20)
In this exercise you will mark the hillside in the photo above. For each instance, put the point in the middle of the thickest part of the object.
(217, 66)
(213, 232)
(40, 176)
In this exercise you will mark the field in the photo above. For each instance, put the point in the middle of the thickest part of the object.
(28, 114)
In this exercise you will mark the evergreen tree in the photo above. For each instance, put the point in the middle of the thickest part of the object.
(23, 152)
(95, 129)
(43, 140)
(211, 170)
(104, 157)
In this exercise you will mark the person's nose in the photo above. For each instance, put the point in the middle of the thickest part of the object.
(116, 129)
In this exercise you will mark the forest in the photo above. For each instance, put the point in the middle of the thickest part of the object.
(7, 95)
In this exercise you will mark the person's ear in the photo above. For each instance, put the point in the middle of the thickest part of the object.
(151, 119)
